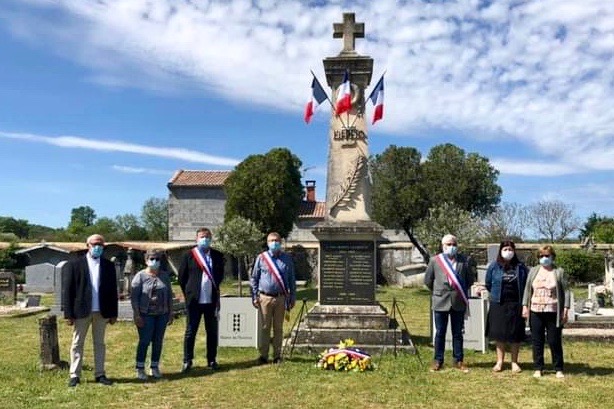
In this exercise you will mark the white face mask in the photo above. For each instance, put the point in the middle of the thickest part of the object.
(507, 254)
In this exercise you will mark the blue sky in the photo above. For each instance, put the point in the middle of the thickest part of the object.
(101, 101)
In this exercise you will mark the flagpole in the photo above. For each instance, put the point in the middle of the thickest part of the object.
(328, 99)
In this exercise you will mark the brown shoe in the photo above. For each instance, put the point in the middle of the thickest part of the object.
(436, 366)
(461, 367)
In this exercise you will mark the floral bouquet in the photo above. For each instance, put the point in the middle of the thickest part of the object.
(345, 357)
(604, 295)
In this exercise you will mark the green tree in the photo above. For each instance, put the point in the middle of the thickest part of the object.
(240, 238)
(468, 181)
(266, 189)
(405, 188)
(604, 231)
(8, 258)
(398, 198)
(154, 216)
(107, 227)
(19, 227)
(81, 218)
(130, 227)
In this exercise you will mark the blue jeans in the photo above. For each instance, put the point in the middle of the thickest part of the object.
(457, 320)
(152, 332)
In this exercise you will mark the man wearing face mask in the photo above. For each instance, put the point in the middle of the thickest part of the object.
(449, 277)
(89, 297)
(200, 275)
(273, 287)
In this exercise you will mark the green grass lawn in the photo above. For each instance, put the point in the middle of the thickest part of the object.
(396, 383)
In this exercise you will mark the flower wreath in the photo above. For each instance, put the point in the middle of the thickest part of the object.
(345, 357)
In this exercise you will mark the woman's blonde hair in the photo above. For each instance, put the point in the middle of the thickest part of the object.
(547, 248)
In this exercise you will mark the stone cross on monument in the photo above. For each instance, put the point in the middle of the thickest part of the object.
(349, 30)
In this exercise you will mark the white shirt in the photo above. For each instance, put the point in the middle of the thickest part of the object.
(93, 265)
(206, 286)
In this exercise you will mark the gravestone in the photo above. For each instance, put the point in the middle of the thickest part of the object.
(346, 306)
(8, 289)
(474, 330)
(56, 308)
(40, 278)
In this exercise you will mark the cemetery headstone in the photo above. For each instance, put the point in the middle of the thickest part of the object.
(8, 289)
(49, 345)
(40, 278)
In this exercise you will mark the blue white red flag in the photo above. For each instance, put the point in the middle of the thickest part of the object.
(318, 95)
(344, 95)
(377, 97)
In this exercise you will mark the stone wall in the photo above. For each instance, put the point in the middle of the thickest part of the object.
(192, 208)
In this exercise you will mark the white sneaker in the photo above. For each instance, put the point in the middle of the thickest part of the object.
(140, 374)
(537, 374)
(560, 374)
(155, 372)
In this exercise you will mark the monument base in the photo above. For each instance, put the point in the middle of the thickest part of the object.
(369, 326)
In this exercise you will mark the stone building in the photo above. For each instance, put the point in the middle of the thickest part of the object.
(197, 199)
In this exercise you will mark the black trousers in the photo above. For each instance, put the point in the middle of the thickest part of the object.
(543, 327)
(194, 314)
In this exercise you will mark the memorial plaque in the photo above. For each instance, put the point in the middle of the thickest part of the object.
(8, 288)
(239, 322)
(347, 273)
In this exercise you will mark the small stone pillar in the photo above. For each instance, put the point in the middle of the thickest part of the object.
(50, 350)
(128, 272)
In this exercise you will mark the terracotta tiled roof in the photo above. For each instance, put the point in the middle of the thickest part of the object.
(312, 210)
(199, 178)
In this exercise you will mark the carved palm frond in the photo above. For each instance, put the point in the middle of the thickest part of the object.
(344, 197)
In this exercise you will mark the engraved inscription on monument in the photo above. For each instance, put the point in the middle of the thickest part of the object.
(347, 274)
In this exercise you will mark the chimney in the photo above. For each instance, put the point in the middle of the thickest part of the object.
(310, 187)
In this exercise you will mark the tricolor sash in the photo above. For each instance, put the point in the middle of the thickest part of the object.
(446, 266)
(202, 263)
(274, 269)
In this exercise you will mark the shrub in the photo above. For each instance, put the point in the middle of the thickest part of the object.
(580, 266)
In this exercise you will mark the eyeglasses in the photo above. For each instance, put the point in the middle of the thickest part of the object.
(154, 259)
(449, 244)
(544, 255)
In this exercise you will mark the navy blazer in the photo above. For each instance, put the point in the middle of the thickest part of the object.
(190, 276)
(77, 289)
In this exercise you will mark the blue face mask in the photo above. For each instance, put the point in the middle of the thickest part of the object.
(204, 242)
(450, 251)
(545, 261)
(274, 246)
(153, 264)
(97, 250)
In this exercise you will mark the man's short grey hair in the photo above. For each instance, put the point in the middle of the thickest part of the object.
(448, 237)
(94, 237)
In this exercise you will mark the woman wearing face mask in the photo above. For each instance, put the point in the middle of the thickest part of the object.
(505, 280)
(546, 304)
(152, 301)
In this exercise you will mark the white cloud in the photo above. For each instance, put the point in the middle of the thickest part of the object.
(540, 71)
(76, 142)
(527, 168)
(149, 171)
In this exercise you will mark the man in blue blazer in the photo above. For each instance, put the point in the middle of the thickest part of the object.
(200, 275)
(449, 277)
(89, 297)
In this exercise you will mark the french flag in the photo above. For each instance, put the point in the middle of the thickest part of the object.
(318, 95)
(377, 97)
(344, 96)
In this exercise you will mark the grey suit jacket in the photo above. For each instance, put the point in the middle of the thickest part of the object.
(444, 296)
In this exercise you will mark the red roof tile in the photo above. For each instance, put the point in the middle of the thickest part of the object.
(199, 178)
(312, 210)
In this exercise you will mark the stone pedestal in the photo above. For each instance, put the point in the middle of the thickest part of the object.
(346, 305)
